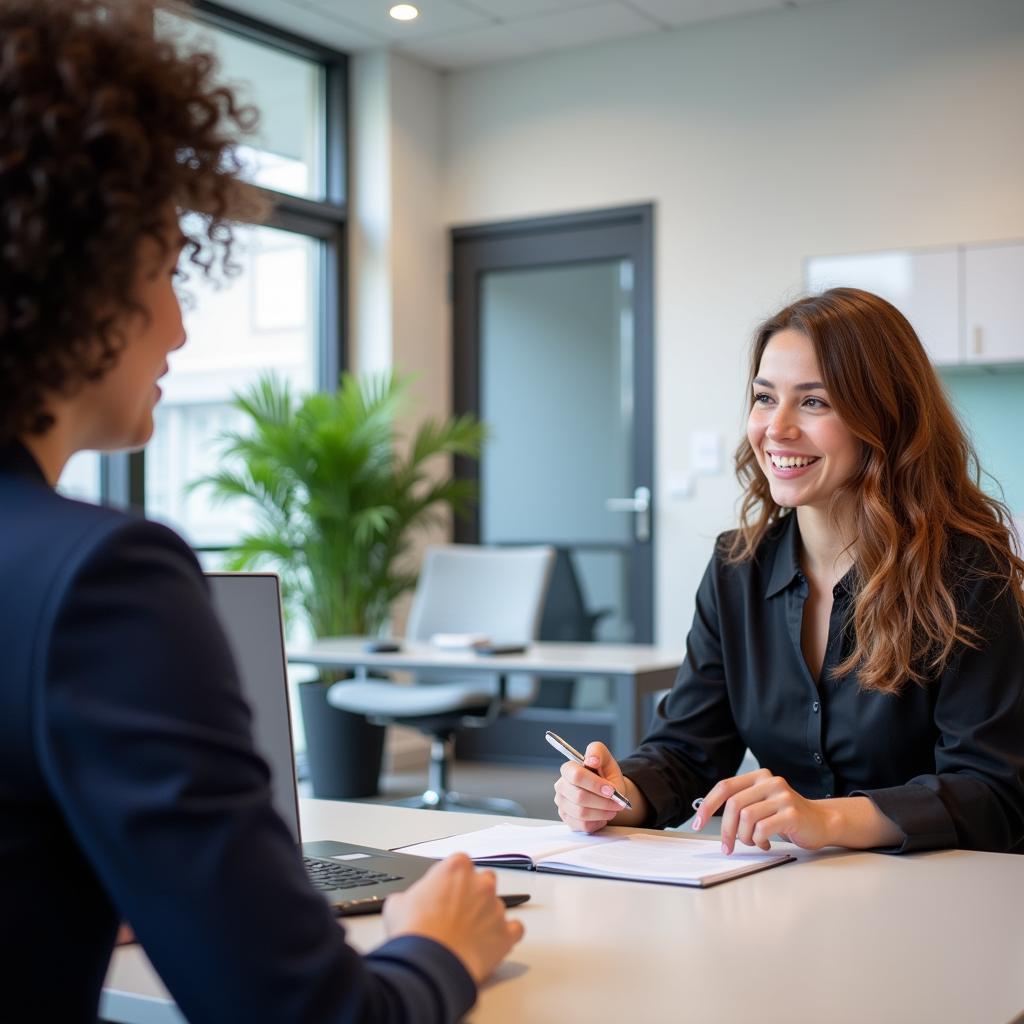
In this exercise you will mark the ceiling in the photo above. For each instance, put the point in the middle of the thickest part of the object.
(452, 34)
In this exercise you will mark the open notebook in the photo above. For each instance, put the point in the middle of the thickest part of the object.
(637, 857)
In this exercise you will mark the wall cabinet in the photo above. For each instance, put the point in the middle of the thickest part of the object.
(993, 292)
(965, 302)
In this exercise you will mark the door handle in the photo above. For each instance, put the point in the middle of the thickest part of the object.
(640, 506)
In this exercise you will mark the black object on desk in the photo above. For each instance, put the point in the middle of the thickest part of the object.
(382, 646)
(490, 649)
(374, 904)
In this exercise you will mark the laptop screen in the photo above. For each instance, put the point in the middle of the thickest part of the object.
(249, 606)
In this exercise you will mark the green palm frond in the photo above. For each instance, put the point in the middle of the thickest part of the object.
(257, 551)
(268, 401)
(335, 501)
(464, 435)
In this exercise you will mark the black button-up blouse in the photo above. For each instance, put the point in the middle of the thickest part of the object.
(944, 761)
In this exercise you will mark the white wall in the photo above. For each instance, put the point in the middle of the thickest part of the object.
(854, 125)
(397, 271)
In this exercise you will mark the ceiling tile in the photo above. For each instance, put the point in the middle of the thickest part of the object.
(480, 46)
(584, 26)
(692, 12)
(523, 37)
(437, 17)
(513, 10)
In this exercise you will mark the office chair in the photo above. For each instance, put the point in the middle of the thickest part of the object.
(462, 589)
(565, 619)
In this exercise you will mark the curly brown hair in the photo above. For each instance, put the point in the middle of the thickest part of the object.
(921, 518)
(104, 129)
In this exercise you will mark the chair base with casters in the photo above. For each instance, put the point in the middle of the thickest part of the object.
(475, 708)
(438, 797)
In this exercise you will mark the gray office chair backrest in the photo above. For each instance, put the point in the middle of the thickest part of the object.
(464, 588)
(468, 589)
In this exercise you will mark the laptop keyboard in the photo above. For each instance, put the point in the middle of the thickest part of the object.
(328, 874)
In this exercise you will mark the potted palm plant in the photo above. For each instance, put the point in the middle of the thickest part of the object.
(337, 496)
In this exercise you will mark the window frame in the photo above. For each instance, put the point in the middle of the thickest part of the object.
(123, 474)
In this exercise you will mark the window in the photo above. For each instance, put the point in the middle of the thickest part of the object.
(288, 152)
(81, 477)
(265, 320)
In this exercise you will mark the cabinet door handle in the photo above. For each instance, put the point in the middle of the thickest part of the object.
(976, 341)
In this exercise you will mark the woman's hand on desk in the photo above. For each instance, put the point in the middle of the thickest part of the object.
(759, 805)
(456, 905)
(583, 798)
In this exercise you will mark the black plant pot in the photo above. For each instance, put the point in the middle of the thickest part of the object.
(344, 751)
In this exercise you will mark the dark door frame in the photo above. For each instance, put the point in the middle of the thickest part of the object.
(625, 232)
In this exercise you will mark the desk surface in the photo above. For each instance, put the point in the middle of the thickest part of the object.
(837, 937)
(540, 658)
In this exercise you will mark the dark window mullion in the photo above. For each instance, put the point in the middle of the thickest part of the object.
(303, 216)
(333, 356)
(123, 480)
(336, 137)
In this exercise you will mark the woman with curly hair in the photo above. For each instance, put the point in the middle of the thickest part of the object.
(129, 784)
(862, 632)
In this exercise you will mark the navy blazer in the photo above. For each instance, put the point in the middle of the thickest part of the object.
(130, 788)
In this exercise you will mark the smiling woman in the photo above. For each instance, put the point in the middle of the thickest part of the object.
(805, 451)
(893, 479)
(860, 630)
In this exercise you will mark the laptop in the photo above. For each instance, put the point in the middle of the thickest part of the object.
(353, 879)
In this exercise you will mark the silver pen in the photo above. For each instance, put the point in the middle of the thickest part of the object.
(567, 750)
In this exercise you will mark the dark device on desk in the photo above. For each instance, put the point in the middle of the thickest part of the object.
(382, 646)
(354, 879)
(495, 648)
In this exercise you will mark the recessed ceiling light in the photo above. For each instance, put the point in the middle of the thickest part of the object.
(404, 12)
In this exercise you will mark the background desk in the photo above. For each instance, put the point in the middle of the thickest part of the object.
(638, 672)
(935, 938)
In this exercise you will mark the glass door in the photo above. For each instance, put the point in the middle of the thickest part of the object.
(556, 390)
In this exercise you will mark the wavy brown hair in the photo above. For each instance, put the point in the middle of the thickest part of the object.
(916, 492)
(104, 129)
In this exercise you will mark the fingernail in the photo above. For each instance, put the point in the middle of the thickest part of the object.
(725, 847)
(607, 791)
(696, 824)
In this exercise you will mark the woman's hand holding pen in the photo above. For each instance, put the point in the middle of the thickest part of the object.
(759, 805)
(584, 795)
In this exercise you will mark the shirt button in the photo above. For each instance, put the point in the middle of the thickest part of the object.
(817, 758)
(815, 706)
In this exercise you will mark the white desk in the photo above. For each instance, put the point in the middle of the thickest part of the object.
(638, 670)
(935, 938)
